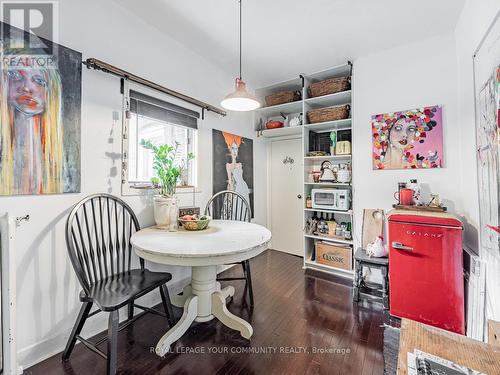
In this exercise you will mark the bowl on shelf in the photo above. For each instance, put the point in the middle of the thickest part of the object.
(195, 222)
(274, 124)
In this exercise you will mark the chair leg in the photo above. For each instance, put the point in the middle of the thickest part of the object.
(77, 328)
(358, 276)
(112, 342)
(385, 288)
(248, 275)
(167, 305)
(131, 310)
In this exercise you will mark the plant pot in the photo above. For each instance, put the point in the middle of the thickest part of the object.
(166, 212)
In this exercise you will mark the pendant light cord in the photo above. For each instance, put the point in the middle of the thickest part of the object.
(240, 38)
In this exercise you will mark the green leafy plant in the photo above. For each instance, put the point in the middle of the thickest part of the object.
(166, 171)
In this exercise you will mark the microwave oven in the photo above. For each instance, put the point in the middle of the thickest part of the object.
(331, 199)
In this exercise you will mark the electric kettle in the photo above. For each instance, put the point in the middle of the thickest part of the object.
(327, 174)
(344, 174)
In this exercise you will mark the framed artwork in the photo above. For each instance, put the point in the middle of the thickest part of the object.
(40, 110)
(487, 100)
(408, 139)
(233, 164)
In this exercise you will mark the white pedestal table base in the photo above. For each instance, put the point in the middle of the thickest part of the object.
(203, 300)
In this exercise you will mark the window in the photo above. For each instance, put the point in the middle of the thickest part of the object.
(149, 118)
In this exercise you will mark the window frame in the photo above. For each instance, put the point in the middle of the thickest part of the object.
(137, 188)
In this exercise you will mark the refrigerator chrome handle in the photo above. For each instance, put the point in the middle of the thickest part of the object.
(400, 246)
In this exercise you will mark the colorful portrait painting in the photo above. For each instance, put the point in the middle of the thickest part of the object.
(40, 103)
(487, 131)
(233, 164)
(408, 139)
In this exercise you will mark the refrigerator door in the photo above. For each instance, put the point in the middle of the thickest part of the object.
(426, 274)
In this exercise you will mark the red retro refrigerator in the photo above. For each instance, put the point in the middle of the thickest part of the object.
(426, 280)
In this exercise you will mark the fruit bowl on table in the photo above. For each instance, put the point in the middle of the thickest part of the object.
(195, 222)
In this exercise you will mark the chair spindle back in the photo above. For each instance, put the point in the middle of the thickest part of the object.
(98, 234)
(228, 205)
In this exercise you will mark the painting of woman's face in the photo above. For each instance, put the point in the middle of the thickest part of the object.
(40, 115)
(402, 133)
(27, 90)
(411, 138)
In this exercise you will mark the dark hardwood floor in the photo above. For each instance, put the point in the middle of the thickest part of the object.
(293, 312)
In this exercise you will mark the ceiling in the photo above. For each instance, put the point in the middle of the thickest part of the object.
(284, 37)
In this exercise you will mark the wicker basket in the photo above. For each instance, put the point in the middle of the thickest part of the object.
(329, 86)
(328, 114)
(283, 97)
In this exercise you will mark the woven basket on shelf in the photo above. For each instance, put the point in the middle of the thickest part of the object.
(329, 86)
(283, 97)
(339, 112)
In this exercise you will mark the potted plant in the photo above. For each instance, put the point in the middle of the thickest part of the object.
(167, 174)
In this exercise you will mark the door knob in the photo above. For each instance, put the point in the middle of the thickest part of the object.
(299, 196)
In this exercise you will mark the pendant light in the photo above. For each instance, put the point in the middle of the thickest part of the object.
(240, 100)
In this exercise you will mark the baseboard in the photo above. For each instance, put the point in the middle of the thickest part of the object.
(42, 350)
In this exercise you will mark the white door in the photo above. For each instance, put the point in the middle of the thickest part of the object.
(286, 201)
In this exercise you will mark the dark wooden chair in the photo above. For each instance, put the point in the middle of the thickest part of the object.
(230, 205)
(98, 234)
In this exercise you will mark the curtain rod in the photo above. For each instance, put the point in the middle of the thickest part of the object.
(96, 64)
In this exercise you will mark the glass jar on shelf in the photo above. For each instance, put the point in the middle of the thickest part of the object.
(309, 202)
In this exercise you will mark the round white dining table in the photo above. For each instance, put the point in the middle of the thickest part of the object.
(223, 242)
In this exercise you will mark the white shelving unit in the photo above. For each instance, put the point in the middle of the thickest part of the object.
(292, 107)
(280, 132)
(329, 126)
(329, 239)
(330, 157)
(329, 211)
(329, 100)
(264, 114)
(326, 268)
(338, 184)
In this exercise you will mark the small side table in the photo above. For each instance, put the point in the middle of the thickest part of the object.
(371, 290)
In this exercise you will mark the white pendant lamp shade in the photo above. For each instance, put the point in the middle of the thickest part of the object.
(240, 100)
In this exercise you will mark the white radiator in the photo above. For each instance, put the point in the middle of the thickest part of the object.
(8, 292)
(475, 291)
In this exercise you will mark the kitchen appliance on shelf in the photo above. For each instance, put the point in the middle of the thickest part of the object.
(343, 148)
(331, 199)
(327, 174)
(344, 174)
(426, 280)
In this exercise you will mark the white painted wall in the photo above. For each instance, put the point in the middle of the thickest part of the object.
(438, 70)
(47, 292)
(421, 73)
(414, 75)
(473, 23)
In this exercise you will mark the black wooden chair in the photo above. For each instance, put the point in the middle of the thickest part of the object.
(230, 205)
(98, 234)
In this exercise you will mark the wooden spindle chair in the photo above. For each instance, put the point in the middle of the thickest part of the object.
(230, 205)
(98, 232)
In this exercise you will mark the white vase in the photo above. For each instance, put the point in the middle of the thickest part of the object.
(166, 212)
